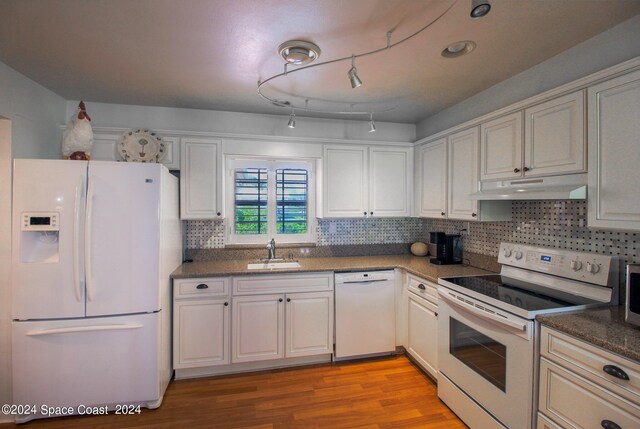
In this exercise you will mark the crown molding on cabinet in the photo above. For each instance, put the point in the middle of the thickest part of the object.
(576, 85)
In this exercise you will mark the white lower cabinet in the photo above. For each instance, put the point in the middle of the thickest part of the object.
(422, 326)
(202, 334)
(258, 328)
(577, 388)
(269, 320)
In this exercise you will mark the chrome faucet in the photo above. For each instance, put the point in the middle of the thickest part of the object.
(271, 247)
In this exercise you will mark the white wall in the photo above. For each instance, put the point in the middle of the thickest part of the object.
(612, 47)
(36, 115)
(30, 128)
(175, 119)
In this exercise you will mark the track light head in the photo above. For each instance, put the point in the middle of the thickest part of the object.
(372, 125)
(353, 74)
(479, 8)
(292, 120)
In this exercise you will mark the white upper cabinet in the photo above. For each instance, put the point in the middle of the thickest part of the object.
(105, 148)
(390, 181)
(554, 137)
(361, 181)
(200, 179)
(501, 148)
(431, 178)
(614, 134)
(463, 174)
(553, 141)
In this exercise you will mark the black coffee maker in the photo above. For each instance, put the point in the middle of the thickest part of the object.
(448, 248)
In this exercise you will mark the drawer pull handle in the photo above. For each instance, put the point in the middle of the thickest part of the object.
(202, 286)
(615, 372)
(608, 424)
(421, 287)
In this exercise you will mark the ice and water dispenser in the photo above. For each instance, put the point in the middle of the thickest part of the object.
(40, 233)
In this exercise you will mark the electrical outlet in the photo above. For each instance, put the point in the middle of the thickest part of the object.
(465, 231)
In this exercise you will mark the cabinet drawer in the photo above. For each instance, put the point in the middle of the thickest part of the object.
(575, 402)
(423, 288)
(201, 287)
(589, 361)
(282, 283)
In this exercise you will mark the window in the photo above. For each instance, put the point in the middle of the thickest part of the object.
(270, 199)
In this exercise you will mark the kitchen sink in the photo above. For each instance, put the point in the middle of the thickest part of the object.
(272, 265)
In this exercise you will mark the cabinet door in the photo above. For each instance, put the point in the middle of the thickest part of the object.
(105, 148)
(309, 324)
(345, 177)
(554, 137)
(501, 148)
(422, 339)
(200, 179)
(463, 174)
(201, 333)
(432, 180)
(390, 178)
(614, 131)
(258, 328)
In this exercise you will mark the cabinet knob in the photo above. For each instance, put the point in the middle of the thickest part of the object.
(365, 213)
(608, 424)
(371, 213)
(441, 213)
(421, 287)
(218, 213)
(526, 169)
(288, 299)
(226, 304)
(516, 170)
(202, 286)
(474, 214)
(615, 372)
(280, 300)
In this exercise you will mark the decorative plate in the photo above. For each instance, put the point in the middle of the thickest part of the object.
(141, 146)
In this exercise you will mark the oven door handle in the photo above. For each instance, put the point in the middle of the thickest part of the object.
(518, 326)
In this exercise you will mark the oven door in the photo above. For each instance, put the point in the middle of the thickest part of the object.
(488, 354)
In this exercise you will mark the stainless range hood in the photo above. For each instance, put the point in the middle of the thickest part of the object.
(568, 187)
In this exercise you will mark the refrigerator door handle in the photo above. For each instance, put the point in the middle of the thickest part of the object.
(76, 239)
(87, 239)
(73, 330)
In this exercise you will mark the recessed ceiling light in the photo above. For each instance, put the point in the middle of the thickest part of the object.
(299, 52)
(479, 8)
(458, 49)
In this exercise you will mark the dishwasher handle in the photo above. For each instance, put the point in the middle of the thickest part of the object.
(362, 281)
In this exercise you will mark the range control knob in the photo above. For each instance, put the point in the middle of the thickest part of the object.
(576, 265)
(592, 268)
(518, 254)
(507, 252)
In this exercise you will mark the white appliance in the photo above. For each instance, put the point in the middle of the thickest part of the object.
(487, 333)
(365, 314)
(94, 244)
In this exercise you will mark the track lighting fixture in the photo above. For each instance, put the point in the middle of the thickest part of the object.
(292, 120)
(479, 8)
(302, 53)
(353, 74)
(372, 125)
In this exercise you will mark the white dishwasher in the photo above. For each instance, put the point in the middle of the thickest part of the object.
(365, 313)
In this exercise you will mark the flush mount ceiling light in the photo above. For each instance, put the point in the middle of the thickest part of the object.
(458, 49)
(479, 8)
(299, 52)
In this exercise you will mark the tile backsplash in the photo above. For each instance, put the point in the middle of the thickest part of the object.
(557, 224)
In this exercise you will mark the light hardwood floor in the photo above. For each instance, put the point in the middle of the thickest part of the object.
(382, 393)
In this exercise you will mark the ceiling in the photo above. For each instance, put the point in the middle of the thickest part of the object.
(210, 54)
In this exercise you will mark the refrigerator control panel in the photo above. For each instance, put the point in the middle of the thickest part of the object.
(40, 221)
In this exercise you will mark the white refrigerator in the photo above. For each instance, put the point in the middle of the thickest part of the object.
(93, 246)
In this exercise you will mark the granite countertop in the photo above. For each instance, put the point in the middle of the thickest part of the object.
(419, 266)
(603, 327)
